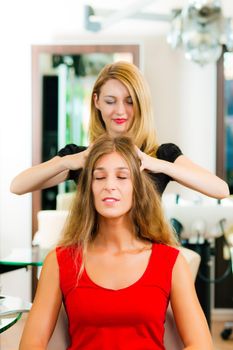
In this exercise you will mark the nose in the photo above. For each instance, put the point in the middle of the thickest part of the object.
(110, 184)
(120, 108)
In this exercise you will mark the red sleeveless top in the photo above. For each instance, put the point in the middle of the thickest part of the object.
(128, 318)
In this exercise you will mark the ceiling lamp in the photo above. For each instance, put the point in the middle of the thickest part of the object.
(201, 30)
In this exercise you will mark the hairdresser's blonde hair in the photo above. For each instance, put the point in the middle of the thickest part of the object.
(148, 221)
(142, 130)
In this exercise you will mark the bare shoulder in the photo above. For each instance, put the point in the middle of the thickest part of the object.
(181, 261)
(181, 272)
(49, 277)
(51, 257)
(50, 262)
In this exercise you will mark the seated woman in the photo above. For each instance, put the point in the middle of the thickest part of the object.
(117, 265)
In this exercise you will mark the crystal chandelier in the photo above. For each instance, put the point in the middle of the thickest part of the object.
(201, 30)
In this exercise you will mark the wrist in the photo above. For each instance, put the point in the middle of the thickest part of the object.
(160, 166)
(163, 166)
(60, 163)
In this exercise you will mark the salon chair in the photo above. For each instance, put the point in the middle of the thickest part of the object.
(64, 200)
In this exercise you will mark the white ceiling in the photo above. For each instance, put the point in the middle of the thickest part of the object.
(156, 5)
(130, 26)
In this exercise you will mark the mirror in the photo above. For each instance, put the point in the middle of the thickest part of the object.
(62, 80)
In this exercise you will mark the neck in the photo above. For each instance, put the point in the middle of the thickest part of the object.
(116, 234)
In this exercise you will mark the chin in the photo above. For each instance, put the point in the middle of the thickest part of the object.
(112, 216)
(120, 129)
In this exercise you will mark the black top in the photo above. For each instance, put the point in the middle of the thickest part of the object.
(166, 151)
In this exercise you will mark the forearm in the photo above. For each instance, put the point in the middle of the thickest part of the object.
(40, 176)
(192, 176)
(199, 179)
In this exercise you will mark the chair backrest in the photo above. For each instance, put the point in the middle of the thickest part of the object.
(50, 226)
(64, 200)
(172, 341)
(60, 337)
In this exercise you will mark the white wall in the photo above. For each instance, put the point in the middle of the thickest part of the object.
(183, 97)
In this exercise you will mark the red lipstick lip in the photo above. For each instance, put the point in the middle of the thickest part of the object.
(120, 120)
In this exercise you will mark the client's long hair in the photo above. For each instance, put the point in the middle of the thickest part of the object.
(148, 221)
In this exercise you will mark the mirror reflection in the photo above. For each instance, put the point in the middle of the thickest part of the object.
(65, 78)
(67, 81)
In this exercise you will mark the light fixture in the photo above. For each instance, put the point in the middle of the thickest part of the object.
(199, 28)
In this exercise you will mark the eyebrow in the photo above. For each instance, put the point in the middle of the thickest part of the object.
(118, 168)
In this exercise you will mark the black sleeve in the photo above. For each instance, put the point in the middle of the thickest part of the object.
(72, 149)
(168, 152)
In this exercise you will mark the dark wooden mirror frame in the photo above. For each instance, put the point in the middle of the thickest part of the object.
(220, 128)
(36, 96)
(223, 295)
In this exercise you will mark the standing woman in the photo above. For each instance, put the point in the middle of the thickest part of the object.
(121, 105)
(117, 266)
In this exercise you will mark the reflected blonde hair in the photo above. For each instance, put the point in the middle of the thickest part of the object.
(142, 130)
(148, 221)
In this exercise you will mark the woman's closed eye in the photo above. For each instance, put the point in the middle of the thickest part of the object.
(119, 174)
(110, 102)
(122, 174)
(99, 177)
(104, 177)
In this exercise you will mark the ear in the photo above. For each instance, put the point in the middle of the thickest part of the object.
(96, 102)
